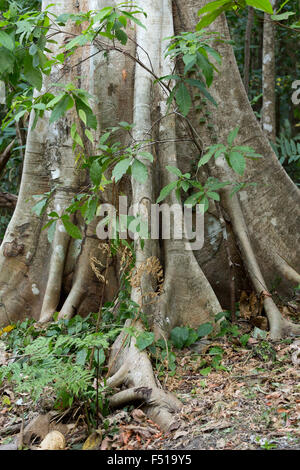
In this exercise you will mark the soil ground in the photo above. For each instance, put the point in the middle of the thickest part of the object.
(251, 402)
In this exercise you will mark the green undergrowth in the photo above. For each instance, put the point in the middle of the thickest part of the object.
(66, 360)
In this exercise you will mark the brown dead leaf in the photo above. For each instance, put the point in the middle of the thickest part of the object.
(244, 306)
(180, 433)
(106, 444)
(138, 414)
(260, 322)
(283, 410)
(215, 425)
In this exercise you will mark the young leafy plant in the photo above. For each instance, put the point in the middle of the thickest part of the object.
(195, 50)
(235, 157)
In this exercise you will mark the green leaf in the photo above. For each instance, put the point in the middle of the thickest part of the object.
(210, 17)
(202, 88)
(77, 140)
(283, 16)
(39, 207)
(206, 67)
(91, 210)
(121, 36)
(244, 339)
(51, 232)
(232, 135)
(82, 116)
(89, 135)
(146, 155)
(216, 350)
(71, 229)
(55, 100)
(205, 204)
(99, 356)
(204, 330)
(220, 315)
(134, 19)
(96, 173)
(81, 356)
(193, 336)
(166, 190)
(121, 168)
(33, 49)
(203, 160)
(61, 107)
(174, 170)
(80, 40)
(125, 125)
(19, 115)
(185, 185)
(177, 194)
(205, 371)
(213, 53)
(263, 5)
(63, 18)
(139, 171)
(212, 6)
(193, 198)
(183, 98)
(144, 340)
(214, 184)
(213, 195)
(243, 148)
(7, 60)
(7, 41)
(179, 336)
(91, 120)
(104, 138)
(102, 14)
(237, 162)
(189, 60)
(32, 74)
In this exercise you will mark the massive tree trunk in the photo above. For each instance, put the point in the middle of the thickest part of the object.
(36, 278)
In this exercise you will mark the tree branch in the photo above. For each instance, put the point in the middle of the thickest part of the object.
(5, 156)
(7, 200)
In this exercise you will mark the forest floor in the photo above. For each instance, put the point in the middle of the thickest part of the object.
(251, 401)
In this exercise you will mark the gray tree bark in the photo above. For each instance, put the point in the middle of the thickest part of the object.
(247, 48)
(264, 218)
(268, 113)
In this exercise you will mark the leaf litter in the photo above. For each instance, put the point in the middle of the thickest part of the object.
(252, 402)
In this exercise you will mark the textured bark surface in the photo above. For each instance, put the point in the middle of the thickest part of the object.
(36, 282)
(268, 115)
(274, 230)
(247, 50)
(40, 277)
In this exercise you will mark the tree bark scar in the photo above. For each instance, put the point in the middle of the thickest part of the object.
(12, 249)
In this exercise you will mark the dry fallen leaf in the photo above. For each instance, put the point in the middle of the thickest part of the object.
(180, 434)
(55, 440)
(138, 414)
(93, 442)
